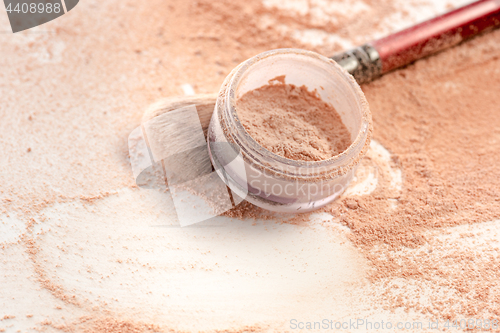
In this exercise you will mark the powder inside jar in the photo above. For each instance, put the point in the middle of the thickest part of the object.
(292, 122)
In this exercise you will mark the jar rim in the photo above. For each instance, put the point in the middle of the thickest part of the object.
(342, 162)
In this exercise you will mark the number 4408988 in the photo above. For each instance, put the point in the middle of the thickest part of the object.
(34, 8)
(469, 324)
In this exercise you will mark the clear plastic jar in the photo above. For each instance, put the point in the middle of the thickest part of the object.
(271, 181)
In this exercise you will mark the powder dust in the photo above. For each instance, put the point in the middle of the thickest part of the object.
(292, 122)
(440, 124)
(438, 118)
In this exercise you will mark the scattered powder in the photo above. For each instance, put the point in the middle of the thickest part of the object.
(105, 324)
(438, 118)
(246, 210)
(112, 325)
(292, 122)
(441, 125)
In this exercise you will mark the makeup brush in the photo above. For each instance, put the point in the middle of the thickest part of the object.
(205, 104)
(378, 57)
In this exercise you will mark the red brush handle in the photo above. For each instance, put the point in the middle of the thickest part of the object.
(436, 34)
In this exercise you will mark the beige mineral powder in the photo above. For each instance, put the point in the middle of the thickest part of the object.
(292, 121)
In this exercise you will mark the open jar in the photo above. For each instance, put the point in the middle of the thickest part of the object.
(271, 181)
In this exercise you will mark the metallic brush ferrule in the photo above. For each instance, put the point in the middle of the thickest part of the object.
(363, 63)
